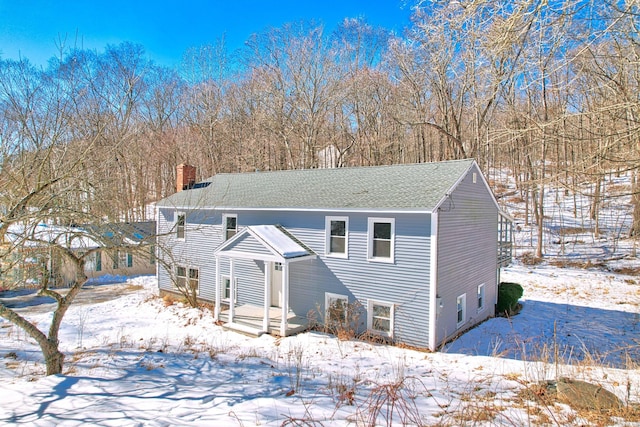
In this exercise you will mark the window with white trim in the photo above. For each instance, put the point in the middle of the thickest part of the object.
(335, 309)
(380, 318)
(181, 277)
(381, 236)
(226, 289)
(181, 221)
(188, 279)
(481, 304)
(194, 280)
(461, 304)
(230, 225)
(337, 231)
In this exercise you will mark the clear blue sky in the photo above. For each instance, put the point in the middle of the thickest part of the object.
(32, 28)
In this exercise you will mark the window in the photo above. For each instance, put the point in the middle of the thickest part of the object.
(380, 318)
(230, 226)
(277, 266)
(226, 289)
(181, 277)
(461, 303)
(194, 280)
(480, 297)
(335, 310)
(122, 259)
(336, 229)
(98, 261)
(180, 224)
(381, 236)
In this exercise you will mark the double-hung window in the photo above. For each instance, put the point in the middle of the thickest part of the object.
(336, 229)
(181, 277)
(380, 318)
(180, 225)
(381, 236)
(194, 280)
(335, 310)
(188, 279)
(230, 224)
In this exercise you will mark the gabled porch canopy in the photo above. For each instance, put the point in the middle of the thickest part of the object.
(267, 243)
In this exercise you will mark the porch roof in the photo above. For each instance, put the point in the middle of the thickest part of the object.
(275, 244)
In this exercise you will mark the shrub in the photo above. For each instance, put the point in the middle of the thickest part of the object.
(508, 296)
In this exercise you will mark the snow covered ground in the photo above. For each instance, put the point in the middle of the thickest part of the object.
(131, 360)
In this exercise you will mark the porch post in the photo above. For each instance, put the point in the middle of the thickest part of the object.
(216, 310)
(267, 295)
(232, 291)
(285, 297)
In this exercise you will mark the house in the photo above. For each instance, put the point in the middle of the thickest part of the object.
(417, 247)
(121, 249)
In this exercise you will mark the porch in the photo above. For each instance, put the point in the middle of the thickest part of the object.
(276, 249)
(249, 320)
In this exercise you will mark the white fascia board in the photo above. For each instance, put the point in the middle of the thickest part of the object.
(249, 255)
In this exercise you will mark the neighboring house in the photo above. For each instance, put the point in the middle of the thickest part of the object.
(117, 249)
(418, 247)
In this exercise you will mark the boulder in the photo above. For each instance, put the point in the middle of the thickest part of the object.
(584, 395)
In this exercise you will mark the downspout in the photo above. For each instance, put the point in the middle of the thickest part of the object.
(433, 282)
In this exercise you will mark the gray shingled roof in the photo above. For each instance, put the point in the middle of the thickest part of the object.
(404, 187)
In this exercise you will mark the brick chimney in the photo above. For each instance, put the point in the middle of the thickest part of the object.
(186, 177)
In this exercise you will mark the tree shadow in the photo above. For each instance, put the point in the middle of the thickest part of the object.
(131, 384)
(550, 332)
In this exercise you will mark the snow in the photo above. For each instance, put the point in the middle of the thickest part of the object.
(134, 359)
(279, 241)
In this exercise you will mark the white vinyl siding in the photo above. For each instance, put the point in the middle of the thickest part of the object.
(337, 236)
(380, 239)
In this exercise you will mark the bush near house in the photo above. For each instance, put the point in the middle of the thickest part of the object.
(508, 296)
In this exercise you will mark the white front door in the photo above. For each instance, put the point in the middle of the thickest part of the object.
(276, 284)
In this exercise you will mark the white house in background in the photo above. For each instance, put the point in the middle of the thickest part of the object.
(418, 247)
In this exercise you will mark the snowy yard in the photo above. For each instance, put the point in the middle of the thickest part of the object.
(133, 361)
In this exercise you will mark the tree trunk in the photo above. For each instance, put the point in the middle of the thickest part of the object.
(53, 358)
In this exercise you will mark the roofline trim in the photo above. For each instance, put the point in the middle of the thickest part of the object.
(298, 209)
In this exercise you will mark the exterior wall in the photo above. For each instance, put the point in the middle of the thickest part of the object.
(404, 283)
(467, 255)
(143, 262)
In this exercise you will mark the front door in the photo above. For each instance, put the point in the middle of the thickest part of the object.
(276, 284)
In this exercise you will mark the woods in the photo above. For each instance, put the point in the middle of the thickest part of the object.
(545, 90)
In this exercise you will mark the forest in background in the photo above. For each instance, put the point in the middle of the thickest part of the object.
(546, 90)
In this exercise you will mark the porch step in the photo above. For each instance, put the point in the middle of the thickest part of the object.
(243, 329)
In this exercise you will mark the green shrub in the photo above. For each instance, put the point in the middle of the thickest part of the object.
(508, 296)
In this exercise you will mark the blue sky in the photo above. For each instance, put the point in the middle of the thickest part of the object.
(32, 29)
